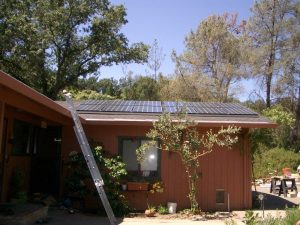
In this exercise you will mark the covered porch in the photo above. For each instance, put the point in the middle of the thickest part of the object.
(30, 140)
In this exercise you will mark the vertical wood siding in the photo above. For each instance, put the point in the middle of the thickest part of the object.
(222, 169)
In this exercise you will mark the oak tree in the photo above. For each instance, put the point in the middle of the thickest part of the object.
(49, 44)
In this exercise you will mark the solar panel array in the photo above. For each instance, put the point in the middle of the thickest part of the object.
(131, 106)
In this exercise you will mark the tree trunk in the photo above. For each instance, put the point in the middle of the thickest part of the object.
(268, 86)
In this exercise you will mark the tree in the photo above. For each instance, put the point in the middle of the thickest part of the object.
(279, 137)
(155, 58)
(90, 94)
(268, 31)
(109, 86)
(50, 44)
(90, 83)
(142, 88)
(182, 137)
(213, 56)
(185, 88)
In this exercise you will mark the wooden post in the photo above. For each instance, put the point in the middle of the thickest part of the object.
(2, 109)
(2, 150)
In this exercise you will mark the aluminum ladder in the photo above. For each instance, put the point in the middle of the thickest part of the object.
(90, 160)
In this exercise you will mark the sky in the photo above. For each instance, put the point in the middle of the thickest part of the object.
(170, 21)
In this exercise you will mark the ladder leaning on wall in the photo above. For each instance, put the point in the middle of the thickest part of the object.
(90, 160)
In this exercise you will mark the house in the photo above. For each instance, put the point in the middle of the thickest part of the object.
(36, 137)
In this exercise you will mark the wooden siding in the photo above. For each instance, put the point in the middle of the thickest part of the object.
(222, 169)
(17, 106)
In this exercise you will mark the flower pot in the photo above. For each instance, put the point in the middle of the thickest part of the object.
(124, 187)
(149, 213)
(172, 207)
(286, 172)
(137, 186)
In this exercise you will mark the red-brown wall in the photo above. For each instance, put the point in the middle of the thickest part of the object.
(14, 105)
(222, 169)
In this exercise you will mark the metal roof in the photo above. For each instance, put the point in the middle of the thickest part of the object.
(158, 107)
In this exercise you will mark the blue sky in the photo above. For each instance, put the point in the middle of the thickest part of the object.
(168, 21)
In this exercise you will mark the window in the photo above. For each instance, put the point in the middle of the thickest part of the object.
(22, 133)
(149, 168)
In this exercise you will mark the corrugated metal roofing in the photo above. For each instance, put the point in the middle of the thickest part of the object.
(196, 108)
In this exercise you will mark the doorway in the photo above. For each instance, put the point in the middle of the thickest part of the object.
(45, 162)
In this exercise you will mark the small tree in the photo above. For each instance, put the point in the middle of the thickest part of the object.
(180, 135)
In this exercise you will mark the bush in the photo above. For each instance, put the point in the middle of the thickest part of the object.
(266, 161)
(162, 210)
(90, 94)
(112, 170)
(292, 217)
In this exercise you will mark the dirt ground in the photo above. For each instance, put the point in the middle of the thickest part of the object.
(62, 217)
(274, 206)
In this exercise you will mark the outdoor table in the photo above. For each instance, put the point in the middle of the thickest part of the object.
(279, 183)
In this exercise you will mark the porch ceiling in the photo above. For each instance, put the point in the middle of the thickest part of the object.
(21, 96)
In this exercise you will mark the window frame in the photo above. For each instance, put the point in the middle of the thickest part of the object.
(137, 174)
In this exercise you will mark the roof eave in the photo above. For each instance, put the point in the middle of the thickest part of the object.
(21, 88)
(149, 122)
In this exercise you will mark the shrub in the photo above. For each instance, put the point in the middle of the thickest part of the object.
(112, 170)
(292, 217)
(266, 161)
(162, 210)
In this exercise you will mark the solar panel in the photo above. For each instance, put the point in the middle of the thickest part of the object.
(202, 108)
(147, 109)
(117, 108)
(173, 104)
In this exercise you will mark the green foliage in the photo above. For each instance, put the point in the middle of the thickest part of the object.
(250, 218)
(162, 210)
(112, 171)
(90, 94)
(141, 88)
(230, 222)
(291, 218)
(279, 115)
(50, 44)
(268, 160)
(271, 221)
(278, 137)
(180, 135)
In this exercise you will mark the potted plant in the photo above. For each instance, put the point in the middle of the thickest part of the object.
(156, 187)
(150, 211)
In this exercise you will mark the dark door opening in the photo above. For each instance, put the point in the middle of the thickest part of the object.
(45, 164)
